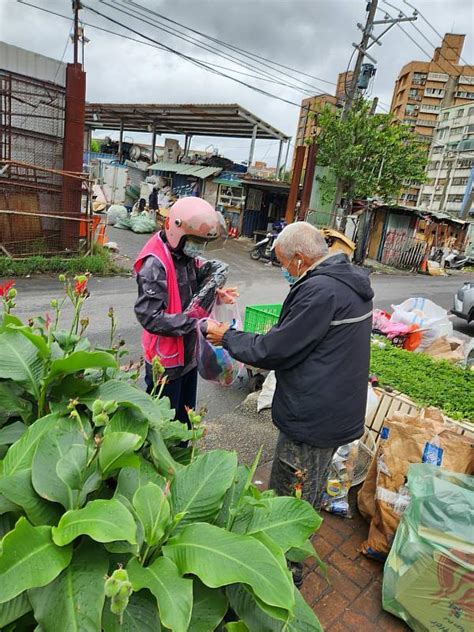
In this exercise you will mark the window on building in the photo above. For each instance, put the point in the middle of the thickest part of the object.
(470, 129)
(457, 130)
(466, 163)
(413, 93)
(460, 113)
(470, 112)
(445, 116)
(411, 110)
(436, 150)
(419, 78)
(441, 133)
(458, 182)
(455, 198)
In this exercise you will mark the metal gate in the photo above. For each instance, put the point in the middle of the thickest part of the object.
(403, 251)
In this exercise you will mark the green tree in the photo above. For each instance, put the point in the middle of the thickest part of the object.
(372, 155)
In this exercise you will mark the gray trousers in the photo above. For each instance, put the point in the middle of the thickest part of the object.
(299, 465)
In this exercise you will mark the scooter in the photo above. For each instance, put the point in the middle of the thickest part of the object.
(263, 250)
(455, 260)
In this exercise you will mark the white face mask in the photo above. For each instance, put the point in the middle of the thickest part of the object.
(193, 249)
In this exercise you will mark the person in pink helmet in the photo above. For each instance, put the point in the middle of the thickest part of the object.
(177, 287)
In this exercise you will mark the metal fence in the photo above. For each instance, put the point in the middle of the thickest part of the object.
(43, 209)
(402, 251)
(39, 218)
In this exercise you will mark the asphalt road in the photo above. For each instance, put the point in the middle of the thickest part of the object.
(257, 284)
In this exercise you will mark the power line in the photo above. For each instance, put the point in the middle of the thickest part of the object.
(433, 29)
(429, 55)
(155, 45)
(231, 46)
(195, 62)
(194, 41)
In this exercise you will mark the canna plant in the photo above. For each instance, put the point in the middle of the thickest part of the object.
(107, 522)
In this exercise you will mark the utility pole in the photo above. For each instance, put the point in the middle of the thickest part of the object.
(76, 6)
(368, 40)
(361, 53)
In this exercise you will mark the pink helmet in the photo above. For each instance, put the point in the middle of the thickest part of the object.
(191, 216)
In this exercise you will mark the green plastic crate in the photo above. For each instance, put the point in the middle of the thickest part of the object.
(261, 318)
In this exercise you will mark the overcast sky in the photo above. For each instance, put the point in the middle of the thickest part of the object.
(311, 36)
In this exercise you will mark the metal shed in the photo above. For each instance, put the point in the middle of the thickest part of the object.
(220, 120)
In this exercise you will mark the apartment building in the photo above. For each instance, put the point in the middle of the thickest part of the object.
(306, 121)
(423, 89)
(451, 160)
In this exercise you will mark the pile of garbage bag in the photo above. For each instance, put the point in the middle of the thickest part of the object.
(116, 213)
(138, 223)
(429, 574)
(423, 437)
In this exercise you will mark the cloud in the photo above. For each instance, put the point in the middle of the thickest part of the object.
(313, 36)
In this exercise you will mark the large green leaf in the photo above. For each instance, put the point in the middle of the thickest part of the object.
(6, 506)
(131, 478)
(301, 553)
(20, 361)
(11, 433)
(141, 615)
(14, 609)
(236, 626)
(173, 593)
(60, 463)
(39, 342)
(12, 402)
(29, 559)
(153, 509)
(220, 558)
(232, 497)
(128, 420)
(198, 490)
(209, 607)
(118, 450)
(75, 599)
(287, 520)
(79, 361)
(156, 411)
(20, 455)
(247, 607)
(17, 488)
(160, 455)
(101, 520)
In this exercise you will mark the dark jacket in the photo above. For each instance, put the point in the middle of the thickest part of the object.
(152, 300)
(320, 352)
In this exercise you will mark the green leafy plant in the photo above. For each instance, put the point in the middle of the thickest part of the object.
(370, 155)
(428, 382)
(107, 522)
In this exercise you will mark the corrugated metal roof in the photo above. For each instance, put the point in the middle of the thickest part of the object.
(227, 120)
(197, 171)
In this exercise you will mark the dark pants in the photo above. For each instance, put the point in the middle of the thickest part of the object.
(181, 392)
(299, 464)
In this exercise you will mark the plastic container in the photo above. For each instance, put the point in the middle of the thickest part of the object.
(259, 319)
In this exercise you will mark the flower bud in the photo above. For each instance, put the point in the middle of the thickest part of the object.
(12, 293)
(54, 303)
(100, 420)
(110, 407)
(98, 407)
(111, 587)
(62, 278)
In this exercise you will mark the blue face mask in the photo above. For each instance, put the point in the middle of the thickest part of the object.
(289, 277)
(193, 249)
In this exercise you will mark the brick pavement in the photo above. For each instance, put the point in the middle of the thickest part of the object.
(350, 600)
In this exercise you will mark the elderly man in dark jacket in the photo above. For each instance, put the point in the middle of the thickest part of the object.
(320, 352)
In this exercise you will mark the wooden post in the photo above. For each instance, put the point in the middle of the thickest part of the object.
(295, 184)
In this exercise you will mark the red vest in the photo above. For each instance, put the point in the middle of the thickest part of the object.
(169, 349)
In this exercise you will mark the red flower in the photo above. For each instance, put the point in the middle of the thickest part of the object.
(80, 288)
(6, 287)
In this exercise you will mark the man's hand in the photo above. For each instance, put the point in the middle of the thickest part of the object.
(227, 295)
(215, 332)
